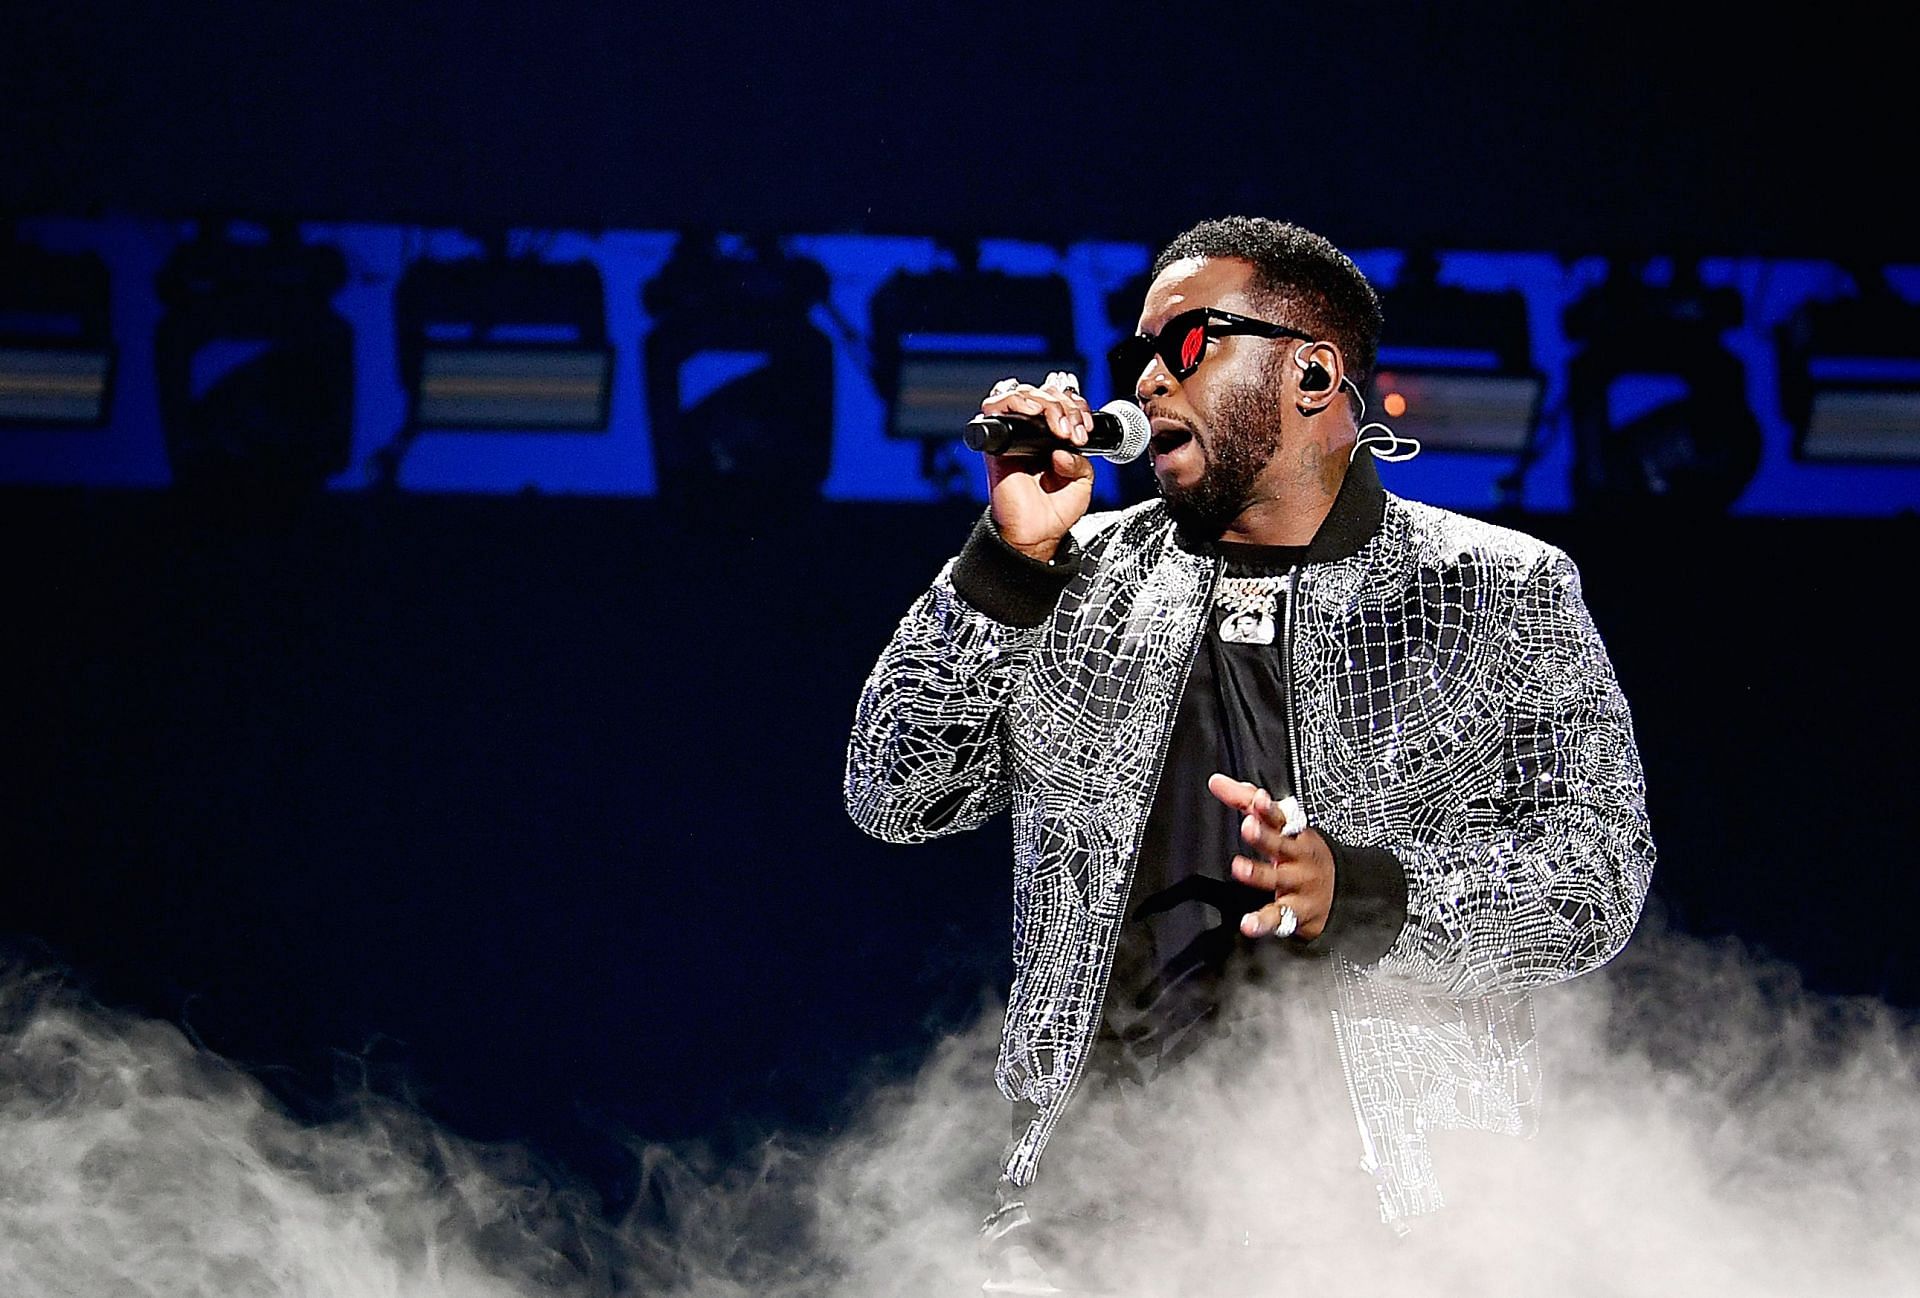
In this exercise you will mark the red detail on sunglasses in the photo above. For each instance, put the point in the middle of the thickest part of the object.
(1191, 347)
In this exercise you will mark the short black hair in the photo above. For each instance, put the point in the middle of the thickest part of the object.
(1309, 282)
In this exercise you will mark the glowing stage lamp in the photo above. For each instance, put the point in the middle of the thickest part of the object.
(1850, 377)
(1455, 400)
(504, 386)
(1455, 368)
(56, 343)
(1862, 412)
(942, 339)
(516, 345)
(942, 378)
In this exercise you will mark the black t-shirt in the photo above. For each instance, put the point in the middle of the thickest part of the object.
(1184, 908)
(1181, 940)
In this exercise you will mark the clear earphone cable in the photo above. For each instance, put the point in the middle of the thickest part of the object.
(1377, 437)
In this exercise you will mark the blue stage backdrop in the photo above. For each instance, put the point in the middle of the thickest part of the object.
(783, 359)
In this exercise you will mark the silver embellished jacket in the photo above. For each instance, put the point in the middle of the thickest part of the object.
(1452, 703)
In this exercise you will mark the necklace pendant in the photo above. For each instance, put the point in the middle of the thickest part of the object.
(1248, 626)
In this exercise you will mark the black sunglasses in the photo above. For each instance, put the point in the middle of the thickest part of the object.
(1182, 341)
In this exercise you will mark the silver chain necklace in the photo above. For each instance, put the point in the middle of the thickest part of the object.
(1246, 606)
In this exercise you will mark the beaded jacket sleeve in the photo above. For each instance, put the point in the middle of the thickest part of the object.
(1539, 874)
(926, 756)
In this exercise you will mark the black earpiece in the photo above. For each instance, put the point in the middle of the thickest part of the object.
(1314, 377)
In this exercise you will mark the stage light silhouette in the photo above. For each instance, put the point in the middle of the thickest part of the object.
(739, 377)
(1658, 403)
(942, 339)
(1850, 375)
(254, 366)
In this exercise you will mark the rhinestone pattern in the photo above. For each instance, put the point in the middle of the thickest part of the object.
(1454, 704)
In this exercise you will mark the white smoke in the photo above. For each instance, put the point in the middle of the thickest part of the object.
(1708, 1127)
(134, 1163)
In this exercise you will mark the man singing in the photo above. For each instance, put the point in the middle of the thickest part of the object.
(1277, 713)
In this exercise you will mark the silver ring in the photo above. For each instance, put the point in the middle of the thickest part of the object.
(1289, 922)
(1003, 387)
(1294, 815)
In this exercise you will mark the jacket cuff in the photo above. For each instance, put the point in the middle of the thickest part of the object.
(1369, 902)
(1005, 584)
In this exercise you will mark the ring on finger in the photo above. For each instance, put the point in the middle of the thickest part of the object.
(1289, 923)
(1293, 816)
(1003, 387)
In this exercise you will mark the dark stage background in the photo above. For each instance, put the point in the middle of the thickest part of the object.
(529, 808)
(1576, 127)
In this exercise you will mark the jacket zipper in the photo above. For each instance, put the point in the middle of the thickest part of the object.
(1140, 833)
(1370, 1164)
(1286, 686)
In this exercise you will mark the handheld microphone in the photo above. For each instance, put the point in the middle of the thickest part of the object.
(1120, 432)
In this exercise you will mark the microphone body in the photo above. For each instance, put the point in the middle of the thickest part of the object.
(1120, 433)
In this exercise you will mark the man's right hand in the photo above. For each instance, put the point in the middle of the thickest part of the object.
(1036, 501)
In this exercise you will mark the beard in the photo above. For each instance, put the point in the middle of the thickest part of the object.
(1246, 435)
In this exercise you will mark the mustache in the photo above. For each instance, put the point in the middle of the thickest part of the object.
(1181, 420)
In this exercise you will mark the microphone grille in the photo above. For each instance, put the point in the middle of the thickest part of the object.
(1135, 430)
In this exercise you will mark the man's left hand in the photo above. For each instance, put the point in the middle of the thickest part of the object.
(1297, 867)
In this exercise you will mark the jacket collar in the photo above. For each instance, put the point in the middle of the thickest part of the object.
(1358, 510)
